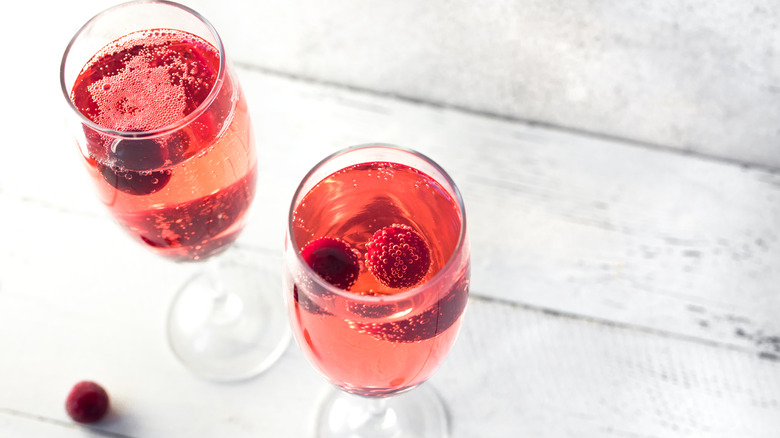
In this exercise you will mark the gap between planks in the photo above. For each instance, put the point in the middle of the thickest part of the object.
(60, 423)
(622, 325)
(502, 117)
(763, 354)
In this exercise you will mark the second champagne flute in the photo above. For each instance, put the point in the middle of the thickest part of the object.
(377, 278)
(164, 129)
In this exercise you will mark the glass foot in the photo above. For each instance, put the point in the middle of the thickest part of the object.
(418, 413)
(229, 322)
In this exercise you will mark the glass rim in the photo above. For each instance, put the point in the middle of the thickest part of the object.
(377, 299)
(222, 71)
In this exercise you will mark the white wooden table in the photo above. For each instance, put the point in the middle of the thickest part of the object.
(619, 290)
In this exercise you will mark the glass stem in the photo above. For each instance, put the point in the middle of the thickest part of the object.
(211, 271)
(226, 307)
(382, 418)
(377, 406)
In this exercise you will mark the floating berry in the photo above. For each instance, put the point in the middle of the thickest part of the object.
(433, 321)
(135, 183)
(334, 260)
(398, 256)
(139, 154)
(87, 402)
(134, 163)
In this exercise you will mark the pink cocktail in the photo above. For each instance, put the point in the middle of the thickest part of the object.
(164, 130)
(377, 273)
(183, 187)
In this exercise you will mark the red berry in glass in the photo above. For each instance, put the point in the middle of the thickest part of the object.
(334, 260)
(184, 192)
(398, 256)
(406, 227)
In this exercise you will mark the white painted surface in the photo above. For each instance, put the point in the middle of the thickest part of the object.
(691, 75)
(618, 291)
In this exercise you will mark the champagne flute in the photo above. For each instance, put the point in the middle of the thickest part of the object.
(163, 126)
(376, 279)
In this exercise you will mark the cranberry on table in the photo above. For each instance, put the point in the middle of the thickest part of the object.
(87, 402)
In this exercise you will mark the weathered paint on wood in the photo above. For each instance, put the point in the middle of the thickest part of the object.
(618, 290)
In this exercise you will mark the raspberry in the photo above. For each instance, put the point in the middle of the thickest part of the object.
(398, 256)
(87, 402)
(334, 260)
(434, 320)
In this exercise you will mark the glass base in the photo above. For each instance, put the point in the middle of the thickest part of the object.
(229, 322)
(418, 413)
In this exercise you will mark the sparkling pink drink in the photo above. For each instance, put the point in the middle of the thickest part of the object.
(386, 242)
(184, 185)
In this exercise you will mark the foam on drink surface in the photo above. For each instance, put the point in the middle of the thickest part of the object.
(146, 80)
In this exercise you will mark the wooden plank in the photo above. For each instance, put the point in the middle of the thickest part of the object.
(670, 72)
(19, 424)
(523, 372)
(93, 306)
(514, 371)
(573, 223)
